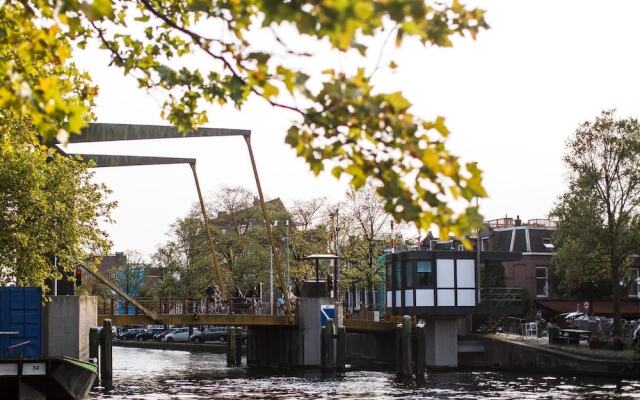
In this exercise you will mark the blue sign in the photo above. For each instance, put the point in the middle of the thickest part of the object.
(327, 311)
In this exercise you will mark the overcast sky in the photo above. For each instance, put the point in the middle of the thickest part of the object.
(511, 98)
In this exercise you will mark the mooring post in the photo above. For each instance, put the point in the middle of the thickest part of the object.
(341, 351)
(406, 346)
(323, 347)
(330, 345)
(106, 365)
(239, 338)
(94, 344)
(421, 351)
(231, 346)
(398, 348)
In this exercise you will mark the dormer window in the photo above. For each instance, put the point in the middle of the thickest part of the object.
(548, 244)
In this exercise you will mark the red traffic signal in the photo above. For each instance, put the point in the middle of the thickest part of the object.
(78, 275)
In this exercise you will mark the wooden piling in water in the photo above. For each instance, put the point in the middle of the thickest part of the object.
(406, 346)
(341, 350)
(231, 346)
(106, 364)
(94, 344)
(421, 351)
(238, 356)
(330, 346)
(398, 349)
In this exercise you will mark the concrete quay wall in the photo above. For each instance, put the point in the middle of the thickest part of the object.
(523, 357)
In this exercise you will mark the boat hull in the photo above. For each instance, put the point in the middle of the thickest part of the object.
(46, 379)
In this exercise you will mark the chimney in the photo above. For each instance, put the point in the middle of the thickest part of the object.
(518, 221)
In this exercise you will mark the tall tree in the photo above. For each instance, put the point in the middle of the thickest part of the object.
(340, 118)
(49, 207)
(599, 214)
(365, 241)
(305, 212)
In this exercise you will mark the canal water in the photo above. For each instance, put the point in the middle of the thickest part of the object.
(169, 374)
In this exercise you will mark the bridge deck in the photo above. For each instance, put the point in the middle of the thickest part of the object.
(204, 319)
(352, 325)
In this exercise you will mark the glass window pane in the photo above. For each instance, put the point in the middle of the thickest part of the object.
(396, 276)
(424, 274)
(388, 276)
(408, 274)
(541, 272)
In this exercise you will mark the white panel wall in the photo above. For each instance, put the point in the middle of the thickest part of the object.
(389, 298)
(446, 297)
(424, 297)
(398, 301)
(408, 298)
(466, 297)
(465, 273)
(445, 273)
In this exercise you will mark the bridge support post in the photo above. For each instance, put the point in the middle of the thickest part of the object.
(106, 355)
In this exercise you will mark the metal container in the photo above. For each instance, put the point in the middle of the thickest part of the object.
(20, 322)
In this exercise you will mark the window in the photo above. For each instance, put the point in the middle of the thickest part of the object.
(548, 244)
(408, 274)
(388, 277)
(396, 275)
(542, 281)
(484, 244)
(634, 285)
(424, 273)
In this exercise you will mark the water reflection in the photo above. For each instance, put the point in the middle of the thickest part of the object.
(159, 374)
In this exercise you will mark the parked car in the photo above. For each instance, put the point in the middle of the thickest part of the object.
(158, 337)
(179, 335)
(114, 331)
(218, 333)
(130, 334)
(149, 334)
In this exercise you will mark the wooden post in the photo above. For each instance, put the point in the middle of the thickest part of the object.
(323, 346)
(106, 365)
(94, 344)
(406, 346)
(238, 356)
(341, 351)
(329, 346)
(421, 353)
(398, 348)
(231, 346)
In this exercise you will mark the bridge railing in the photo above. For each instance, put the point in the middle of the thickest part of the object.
(502, 296)
(204, 306)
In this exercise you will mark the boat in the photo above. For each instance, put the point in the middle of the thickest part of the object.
(48, 378)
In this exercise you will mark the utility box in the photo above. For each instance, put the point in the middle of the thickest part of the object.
(20, 321)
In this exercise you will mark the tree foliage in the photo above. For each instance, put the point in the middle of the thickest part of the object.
(599, 214)
(48, 207)
(340, 120)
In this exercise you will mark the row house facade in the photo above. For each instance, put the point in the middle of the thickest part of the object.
(532, 272)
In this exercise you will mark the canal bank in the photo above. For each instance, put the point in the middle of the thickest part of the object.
(211, 347)
(514, 353)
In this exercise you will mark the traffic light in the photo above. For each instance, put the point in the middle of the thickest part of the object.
(78, 275)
